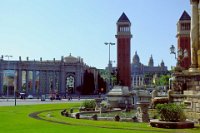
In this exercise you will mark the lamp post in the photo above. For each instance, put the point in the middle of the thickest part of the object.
(15, 87)
(172, 50)
(109, 62)
(8, 56)
(182, 53)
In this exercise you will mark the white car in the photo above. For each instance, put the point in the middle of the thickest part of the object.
(30, 97)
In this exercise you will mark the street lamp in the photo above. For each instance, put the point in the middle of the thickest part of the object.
(15, 87)
(182, 53)
(109, 62)
(172, 50)
(8, 56)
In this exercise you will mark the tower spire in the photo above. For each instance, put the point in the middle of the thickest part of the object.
(123, 18)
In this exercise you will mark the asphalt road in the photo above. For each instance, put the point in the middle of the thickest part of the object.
(11, 102)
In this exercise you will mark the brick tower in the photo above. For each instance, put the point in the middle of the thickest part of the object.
(123, 50)
(183, 38)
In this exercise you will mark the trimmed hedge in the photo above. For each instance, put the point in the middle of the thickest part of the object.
(89, 104)
(171, 112)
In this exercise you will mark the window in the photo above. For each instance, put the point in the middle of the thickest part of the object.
(124, 29)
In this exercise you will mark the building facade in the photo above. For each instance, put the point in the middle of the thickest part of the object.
(123, 50)
(183, 40)
(142, 74)
(42, 77)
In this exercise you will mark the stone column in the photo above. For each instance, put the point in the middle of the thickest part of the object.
(57, 81)
(62, 83)
(27, 80)
(142, 80)
(1, 82)
(139, 80)
(34, 80)
(19, 80)
(46, 82)
(54, 81)
(133, 80)
(198, 52)
(40, 83)
(194, 34)
(144, 111)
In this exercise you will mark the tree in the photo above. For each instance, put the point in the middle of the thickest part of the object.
(101, 84)
(88, 83)
(164, 80)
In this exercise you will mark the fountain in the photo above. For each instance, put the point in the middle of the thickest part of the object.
(118, 96)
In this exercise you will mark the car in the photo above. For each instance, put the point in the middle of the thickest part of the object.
(30, 97)
(58, 98)
(22, 95)
(43, 98)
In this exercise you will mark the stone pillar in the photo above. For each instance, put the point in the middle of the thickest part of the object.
(142, 80)
(1, 82)
(194, 34)
(46, 83)
(54, 81)
(19, 80)
(144, 111)
(139, 81)
(34, 80)
(169, 93)
(136, 79)
(57, 83)
(27, 80)
(40, 83)
(198, 55)
(133, 78)
(62, 81)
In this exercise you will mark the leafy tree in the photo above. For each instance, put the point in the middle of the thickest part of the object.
(101, 84)
(164, 79)
(88, 83)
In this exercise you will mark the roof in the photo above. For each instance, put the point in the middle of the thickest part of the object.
(136, 58)
(123, 18)
(185, 16)
(71, 59)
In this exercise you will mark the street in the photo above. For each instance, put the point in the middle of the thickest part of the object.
(11, 102)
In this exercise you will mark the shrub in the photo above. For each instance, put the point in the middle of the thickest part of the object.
(89, 104)
(117, 118)
(171, 112)
(94, 117)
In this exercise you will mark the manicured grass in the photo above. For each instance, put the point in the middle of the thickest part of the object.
(17, 120)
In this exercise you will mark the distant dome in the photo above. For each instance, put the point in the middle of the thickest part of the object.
(136, 58)
(71, 59)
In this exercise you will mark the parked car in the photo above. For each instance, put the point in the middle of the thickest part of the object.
(30, 97)
(58, 98)
(43, 97)
(22, 95)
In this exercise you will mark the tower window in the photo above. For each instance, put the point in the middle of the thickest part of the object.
(185, 26)
(124, 29)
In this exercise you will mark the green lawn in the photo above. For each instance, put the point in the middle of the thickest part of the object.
(17, 120)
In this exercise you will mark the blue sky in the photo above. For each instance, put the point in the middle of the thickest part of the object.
(54, 28)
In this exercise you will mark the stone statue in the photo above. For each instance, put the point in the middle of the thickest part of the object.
(154, 94)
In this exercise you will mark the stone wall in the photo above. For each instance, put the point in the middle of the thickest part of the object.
(188, 94)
